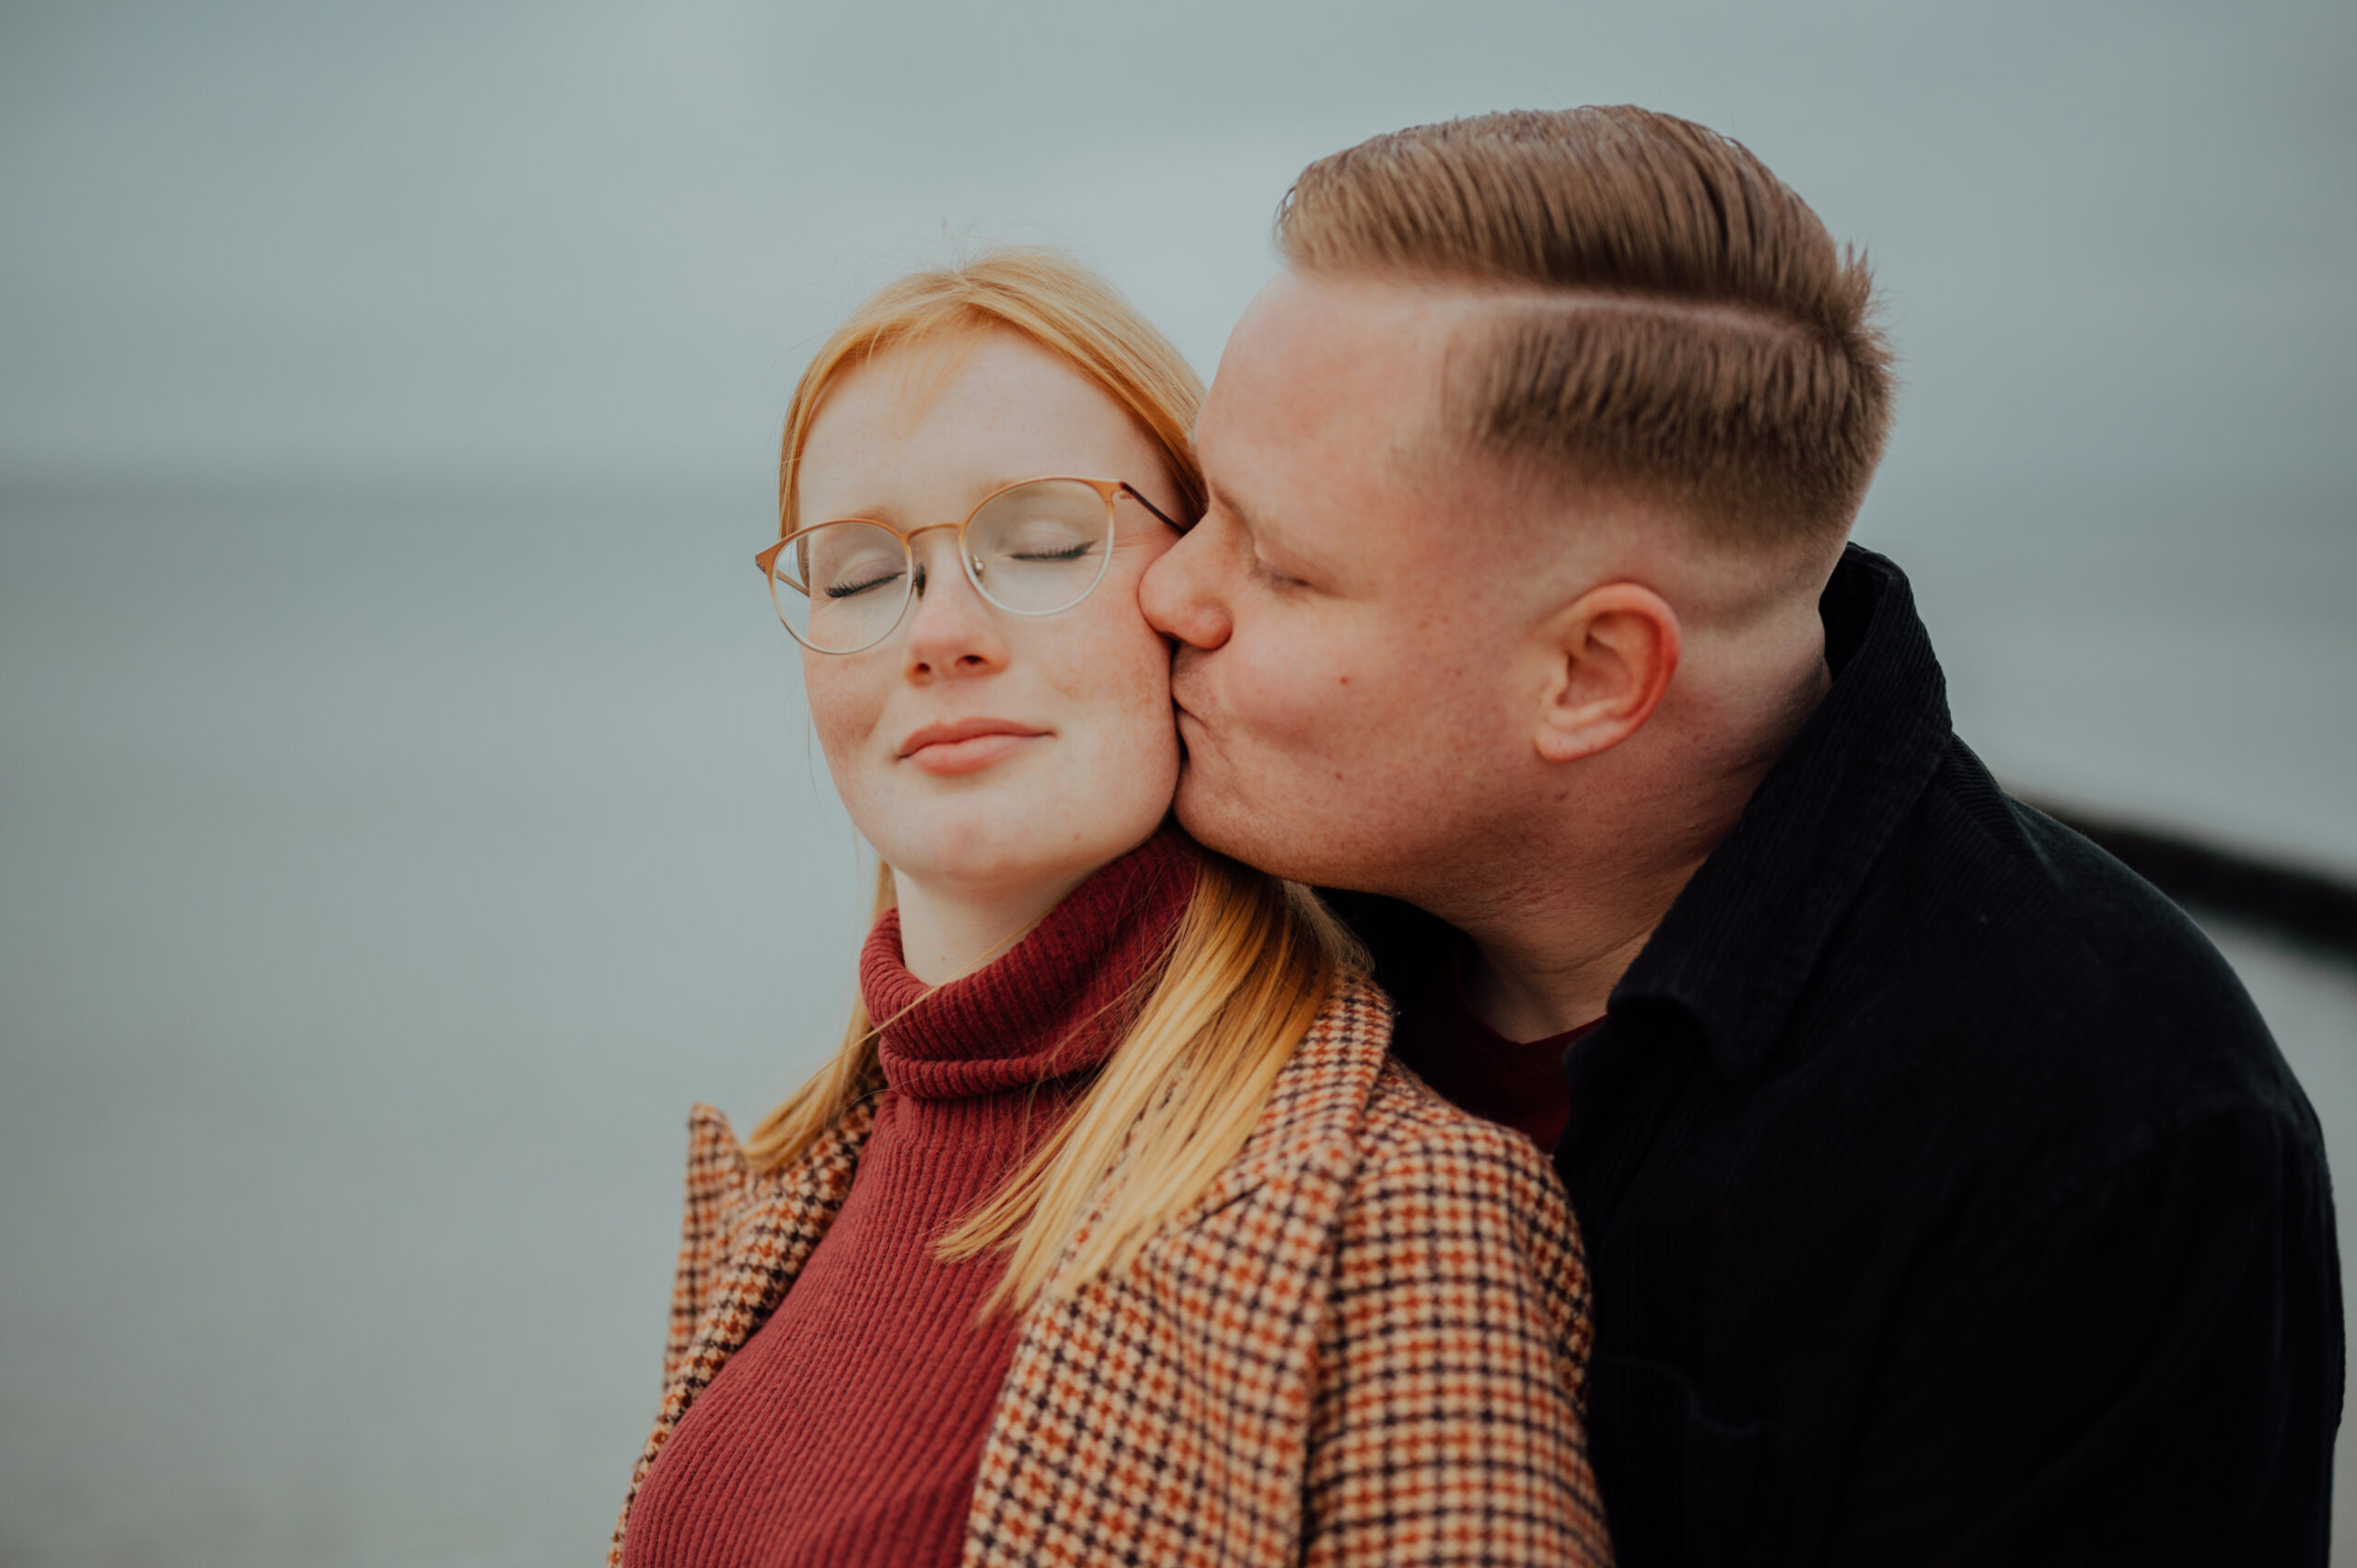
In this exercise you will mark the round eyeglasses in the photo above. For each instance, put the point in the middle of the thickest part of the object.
(1033, 547)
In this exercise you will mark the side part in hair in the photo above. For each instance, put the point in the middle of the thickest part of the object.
(1671, 318)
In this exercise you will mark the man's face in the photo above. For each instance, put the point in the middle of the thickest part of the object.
(1350, 623)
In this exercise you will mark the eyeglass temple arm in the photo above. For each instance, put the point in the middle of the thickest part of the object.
(1132, 492)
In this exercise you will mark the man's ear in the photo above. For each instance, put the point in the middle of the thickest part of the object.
(1610, 654)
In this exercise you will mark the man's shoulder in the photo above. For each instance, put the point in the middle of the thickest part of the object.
(1992, 942)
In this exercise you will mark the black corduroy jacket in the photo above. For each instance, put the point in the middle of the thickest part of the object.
(1946, 1199)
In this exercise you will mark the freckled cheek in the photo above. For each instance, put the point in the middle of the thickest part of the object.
(844, 709)
(1119, 684)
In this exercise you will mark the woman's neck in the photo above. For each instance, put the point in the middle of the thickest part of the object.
(949, 930)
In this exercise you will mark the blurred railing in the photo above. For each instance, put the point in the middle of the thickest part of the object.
(2308, 906)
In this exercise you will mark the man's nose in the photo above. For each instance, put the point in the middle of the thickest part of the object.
(1180, 593)
(951, 629)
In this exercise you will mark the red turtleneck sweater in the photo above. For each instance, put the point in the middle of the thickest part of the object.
(848, 1430)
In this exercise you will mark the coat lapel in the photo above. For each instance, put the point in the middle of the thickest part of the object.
(768, 1227)
(744, 1241)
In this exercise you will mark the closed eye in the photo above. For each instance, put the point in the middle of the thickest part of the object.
(1070, 552)
(846, 590)
(1274, 577)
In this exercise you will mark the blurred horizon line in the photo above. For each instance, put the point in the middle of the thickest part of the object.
(153, 476)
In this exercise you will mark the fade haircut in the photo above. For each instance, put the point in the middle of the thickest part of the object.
(1671, 320)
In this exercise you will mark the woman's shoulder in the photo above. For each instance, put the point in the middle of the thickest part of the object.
(724, 1184)
(1408, 1118)
(1433, 1199)
(715, 1160)
(1418, 1150)
(1344, 1092)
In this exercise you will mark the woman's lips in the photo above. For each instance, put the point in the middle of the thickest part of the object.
(965, 748)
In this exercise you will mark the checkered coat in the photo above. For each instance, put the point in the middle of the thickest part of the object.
(1363, 1344)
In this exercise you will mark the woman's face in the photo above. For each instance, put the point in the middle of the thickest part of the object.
(982, 753)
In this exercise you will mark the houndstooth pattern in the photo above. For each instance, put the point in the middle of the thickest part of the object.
(1458, 1329)
(1364, 1344)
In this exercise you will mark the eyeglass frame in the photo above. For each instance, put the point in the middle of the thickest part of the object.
(1110, 490)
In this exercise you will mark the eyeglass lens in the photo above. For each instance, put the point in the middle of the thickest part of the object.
(1034, 550)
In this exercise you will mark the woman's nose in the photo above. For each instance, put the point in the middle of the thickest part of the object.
(951, 629)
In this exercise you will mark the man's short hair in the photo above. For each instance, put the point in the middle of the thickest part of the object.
(1672, 319)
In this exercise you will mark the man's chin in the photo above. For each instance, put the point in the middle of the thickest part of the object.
(1203, 810)
(1220, 819)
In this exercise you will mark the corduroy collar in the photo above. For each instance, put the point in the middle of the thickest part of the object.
(1053, 1005)
(1746, 932)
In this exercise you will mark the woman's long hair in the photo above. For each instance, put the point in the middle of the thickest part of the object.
(1252, 959)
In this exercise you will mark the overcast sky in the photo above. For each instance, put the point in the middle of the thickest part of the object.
(469, 244)
(601, 238)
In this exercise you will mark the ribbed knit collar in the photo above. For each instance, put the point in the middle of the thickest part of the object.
(1047, 1007)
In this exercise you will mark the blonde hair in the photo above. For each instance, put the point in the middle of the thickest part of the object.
(1252, 960)
(1048, 297)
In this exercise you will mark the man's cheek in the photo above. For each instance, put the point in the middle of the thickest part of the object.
(1307, 710)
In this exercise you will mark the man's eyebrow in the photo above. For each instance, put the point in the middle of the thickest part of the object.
(1220, 498)
(1264, 531)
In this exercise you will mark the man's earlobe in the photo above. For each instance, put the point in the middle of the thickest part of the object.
(1611, 652)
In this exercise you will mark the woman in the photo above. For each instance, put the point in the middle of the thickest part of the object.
(1111, 1232)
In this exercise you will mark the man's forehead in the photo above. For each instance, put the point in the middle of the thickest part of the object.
(1355, 317)
(1319, 361)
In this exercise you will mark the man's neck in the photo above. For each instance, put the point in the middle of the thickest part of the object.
(1558, 918)
(1546, 959)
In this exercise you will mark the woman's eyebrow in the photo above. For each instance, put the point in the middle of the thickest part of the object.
(866, 512)
(982, 493)
(975, 494)
(972, 496)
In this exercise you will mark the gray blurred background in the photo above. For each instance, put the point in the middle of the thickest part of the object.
(405, 806)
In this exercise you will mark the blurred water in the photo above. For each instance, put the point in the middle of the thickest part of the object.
(380, 879)
(2181, 652)
(382, 875)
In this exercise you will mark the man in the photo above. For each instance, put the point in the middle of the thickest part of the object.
(1947, 1202)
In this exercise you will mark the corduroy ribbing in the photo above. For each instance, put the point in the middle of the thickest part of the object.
(848, 1430)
